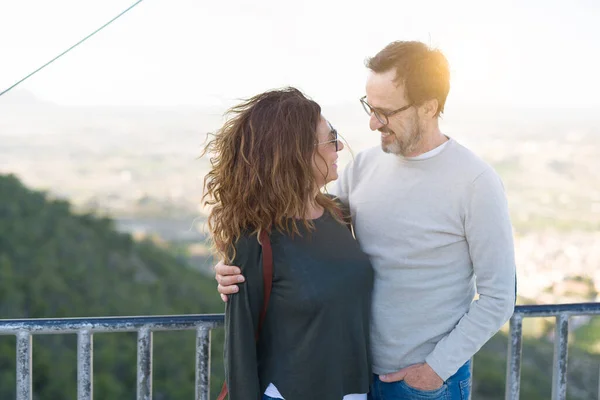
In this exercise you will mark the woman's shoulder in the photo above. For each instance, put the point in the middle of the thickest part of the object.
(344, 210)
(247, 251)
(336, 199)
(247, 240)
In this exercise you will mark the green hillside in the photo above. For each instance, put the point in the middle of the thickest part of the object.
(54, 263)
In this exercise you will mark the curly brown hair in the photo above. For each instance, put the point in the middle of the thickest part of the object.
(261, 175)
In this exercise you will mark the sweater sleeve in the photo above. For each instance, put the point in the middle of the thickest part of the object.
(489, 236)
(241, 323)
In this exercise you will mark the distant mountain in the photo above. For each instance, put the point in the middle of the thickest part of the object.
(22, 98)
(54, 263)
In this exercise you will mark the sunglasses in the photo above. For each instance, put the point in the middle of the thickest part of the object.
(333, 134)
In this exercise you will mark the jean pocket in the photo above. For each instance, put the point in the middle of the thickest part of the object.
(465, 389)
(410, 392)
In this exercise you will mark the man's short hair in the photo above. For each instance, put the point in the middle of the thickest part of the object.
(423, 71)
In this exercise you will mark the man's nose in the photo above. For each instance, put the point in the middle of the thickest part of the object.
(374, 123)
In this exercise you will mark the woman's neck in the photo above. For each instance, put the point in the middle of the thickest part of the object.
(314, 210)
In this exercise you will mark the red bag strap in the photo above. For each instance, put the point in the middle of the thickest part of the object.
(223, 393)
(267, 277)
(267, 262)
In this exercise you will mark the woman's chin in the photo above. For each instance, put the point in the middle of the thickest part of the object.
(331, 178)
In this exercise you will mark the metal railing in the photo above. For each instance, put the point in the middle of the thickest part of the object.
(561, 312)
(85, 328)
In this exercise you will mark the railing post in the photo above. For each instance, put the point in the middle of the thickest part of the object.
(85, 365)
(513, 363)
(144, 368)
(202, 363)
(559, 374)
(23, 366)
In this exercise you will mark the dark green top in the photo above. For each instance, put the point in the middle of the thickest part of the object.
(314, 343)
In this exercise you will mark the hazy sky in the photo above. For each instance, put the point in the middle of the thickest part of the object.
(193, 52)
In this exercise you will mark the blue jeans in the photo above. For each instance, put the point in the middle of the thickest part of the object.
(457, 387)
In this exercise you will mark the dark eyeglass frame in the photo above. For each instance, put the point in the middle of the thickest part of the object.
(380, 115)
(334, 133)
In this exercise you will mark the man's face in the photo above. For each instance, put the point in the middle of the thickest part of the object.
(402, 134)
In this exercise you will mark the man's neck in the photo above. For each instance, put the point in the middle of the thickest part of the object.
(429, 142)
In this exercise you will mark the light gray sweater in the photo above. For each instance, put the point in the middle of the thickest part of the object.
(436, 230)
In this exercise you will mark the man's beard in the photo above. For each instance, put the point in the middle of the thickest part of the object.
(403, 147)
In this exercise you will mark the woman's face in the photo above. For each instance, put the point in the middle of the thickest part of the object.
(325, 155)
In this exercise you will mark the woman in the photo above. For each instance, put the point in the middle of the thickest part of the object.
(270, 161)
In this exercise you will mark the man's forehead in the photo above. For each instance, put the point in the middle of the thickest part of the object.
(383, 91)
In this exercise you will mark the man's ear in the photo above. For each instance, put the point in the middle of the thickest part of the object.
(429, 108)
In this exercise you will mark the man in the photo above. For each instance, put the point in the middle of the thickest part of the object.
(433, 218)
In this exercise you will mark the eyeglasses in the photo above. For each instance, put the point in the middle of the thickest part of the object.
(334, 137)
(381, 116)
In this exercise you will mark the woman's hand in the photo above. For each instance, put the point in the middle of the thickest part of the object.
(228, 277)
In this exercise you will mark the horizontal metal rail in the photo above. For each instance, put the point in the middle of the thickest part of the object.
(85, 328)
(108, 324)
(561, 312)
